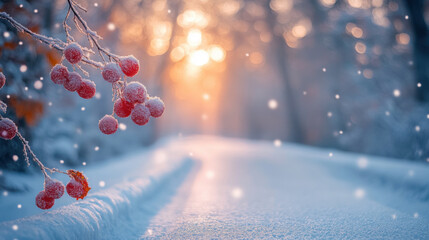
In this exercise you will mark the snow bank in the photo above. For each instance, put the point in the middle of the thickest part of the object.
(407, 178)
(101, 211)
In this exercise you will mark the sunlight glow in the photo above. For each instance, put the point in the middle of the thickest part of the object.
(217, 53)
(192, 18)
(194, 37)
(199, 58)
(237, 193)
(359, 193)
(281, 6)
(177, 54)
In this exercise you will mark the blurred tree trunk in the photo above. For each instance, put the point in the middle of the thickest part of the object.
(160, 78)
(421, 46)
(279, 49)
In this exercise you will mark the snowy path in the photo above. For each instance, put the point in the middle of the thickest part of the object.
(238, 189)
(249, 190)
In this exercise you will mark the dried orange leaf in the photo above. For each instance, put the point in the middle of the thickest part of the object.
(80, 178)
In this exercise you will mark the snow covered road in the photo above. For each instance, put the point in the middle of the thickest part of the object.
(240, 189)
(248, 190)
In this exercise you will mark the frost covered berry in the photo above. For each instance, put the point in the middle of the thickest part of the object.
(2, 80)
(129, 65)
(140, 114)
(59, 74)
(54, 188)
(73, 82)
(111, 72)
(73, 53)
(108, 124)
(74, 189)
(122, 108)
(135, 92)
(8, 129)
(156, 106)
(43, 201)
(86, 89)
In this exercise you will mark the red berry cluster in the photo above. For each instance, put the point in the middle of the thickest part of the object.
(72, 81)
(54, 189)
(132, 98)
(8, 129)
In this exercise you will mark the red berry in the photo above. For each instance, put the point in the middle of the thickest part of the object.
(43, 201)
(122, 108)
(129, 65)
(73, 82)
(2, 80)
(111, 72)
(59, 74)
(87, 89)
(108, 124)
(140, 114)
(156, 106)
(135, 92)
(54, 188)
(74, 189)
(8, 129)
(73, 53)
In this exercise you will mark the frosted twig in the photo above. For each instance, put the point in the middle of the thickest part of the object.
(92, 36)
(51, 42)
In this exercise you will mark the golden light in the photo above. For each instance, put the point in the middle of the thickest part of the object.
(281, 6)
(177, 54)
(357, 32)
(161, 29)
(229, 7)
(403, 38)
(192, 18)
(217, 53)
(158, 46)
(194, 37)
(328, 3)
(199, 58)
(360, 47)
(256, 58)
(299, 31)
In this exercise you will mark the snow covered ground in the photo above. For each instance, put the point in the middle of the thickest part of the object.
(211, 187)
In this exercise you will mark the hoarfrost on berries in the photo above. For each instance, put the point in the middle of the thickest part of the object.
(129, 65)
(43, 201)
(135, 92)
(122, 108)
(73, 82)
(156, 106)
(8, 129)
(108, 124)
(140, 114)
(87, 89)
(73, 53)
(111, 72)
(59, 74)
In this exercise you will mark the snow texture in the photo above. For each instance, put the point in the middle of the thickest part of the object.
(98, 215)
(242, 189)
